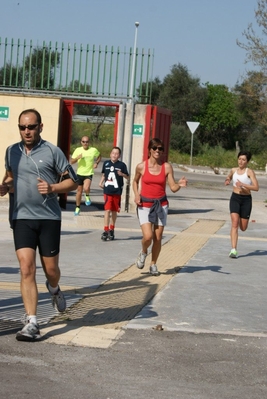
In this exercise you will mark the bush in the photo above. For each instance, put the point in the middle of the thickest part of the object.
(256, 142)
(181, 140)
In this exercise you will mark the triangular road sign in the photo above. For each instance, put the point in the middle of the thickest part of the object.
(192, 126)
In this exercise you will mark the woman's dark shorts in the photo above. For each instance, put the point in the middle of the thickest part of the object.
(241, 204)
(44, 234)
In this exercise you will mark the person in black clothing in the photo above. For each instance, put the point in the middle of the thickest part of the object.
(113, 173)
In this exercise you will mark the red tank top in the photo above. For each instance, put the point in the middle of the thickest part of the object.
(153, 186)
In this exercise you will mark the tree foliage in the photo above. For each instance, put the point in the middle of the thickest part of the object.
(251, 94)
(182, 94)
(37, 71)
(156, 86)
(40, 68)
(255, 45)
(181, 140)
(220, 118)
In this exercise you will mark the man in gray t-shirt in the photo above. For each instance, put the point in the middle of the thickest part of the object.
(37, 171)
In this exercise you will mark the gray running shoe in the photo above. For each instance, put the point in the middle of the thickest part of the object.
(58, 299)
(140, 262)
(153, 270)
(30, 332)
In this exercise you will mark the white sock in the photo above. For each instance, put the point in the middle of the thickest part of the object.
(32, 319)
(52, 290)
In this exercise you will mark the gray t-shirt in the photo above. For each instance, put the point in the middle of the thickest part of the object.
(45, 161)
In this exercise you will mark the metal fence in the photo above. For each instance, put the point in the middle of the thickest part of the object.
(80, 70)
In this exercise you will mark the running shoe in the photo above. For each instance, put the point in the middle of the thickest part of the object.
(153, 270)
(111, 235)
(87, 200)
(77, 211)
(58, 299)
(30, 332)
(104, 236)
(233, 253)
(140, 262)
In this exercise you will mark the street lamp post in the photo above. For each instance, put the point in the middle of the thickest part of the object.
(132, 110)
(133, 64)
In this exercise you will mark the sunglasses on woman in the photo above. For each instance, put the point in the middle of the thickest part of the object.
(155, 148)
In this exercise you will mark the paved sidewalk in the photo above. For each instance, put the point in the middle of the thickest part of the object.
(200, 288)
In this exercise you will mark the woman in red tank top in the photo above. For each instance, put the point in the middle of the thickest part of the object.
(151, 201)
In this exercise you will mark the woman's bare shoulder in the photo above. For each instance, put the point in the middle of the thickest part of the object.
(140, 167)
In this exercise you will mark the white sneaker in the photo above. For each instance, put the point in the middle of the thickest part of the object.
(153, 270)
(140, 262)
(233, 253)
(30, 331)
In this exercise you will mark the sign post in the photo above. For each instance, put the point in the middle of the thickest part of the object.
(192, 127)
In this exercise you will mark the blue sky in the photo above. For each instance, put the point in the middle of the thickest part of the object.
(200, 34)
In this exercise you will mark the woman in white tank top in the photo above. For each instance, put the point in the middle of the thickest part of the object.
(244, 181)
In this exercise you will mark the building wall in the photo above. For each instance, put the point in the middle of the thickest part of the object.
(132, 144)
(49, 109)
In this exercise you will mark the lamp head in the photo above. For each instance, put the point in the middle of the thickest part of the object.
(136, 24)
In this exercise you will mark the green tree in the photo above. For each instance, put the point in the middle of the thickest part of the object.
(252, 91)
(251, 99)
(10, 76)
(252, 106)
(149, 94)
(220, 119)
(181, 140)
(40, 67)
(182, 94)
(37, 71)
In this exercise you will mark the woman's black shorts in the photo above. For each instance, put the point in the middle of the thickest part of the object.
(241, 204)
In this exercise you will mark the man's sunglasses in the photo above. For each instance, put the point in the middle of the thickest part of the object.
(155, 148)
(86, 142)
(29, 127)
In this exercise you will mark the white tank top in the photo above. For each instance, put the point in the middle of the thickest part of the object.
(243, 178)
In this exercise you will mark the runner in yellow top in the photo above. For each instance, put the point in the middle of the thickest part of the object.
(88, 158)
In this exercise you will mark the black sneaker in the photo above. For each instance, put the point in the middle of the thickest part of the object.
(111, 235)
(104, 236)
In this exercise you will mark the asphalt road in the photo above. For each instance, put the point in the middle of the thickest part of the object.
(143, 364)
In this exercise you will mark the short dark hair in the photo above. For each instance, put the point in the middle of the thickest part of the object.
(33, 111)
(117, 148)
(155, 141)
(246, 153)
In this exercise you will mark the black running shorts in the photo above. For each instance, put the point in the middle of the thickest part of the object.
(241, 204)
(82, 178)
(44, 234)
